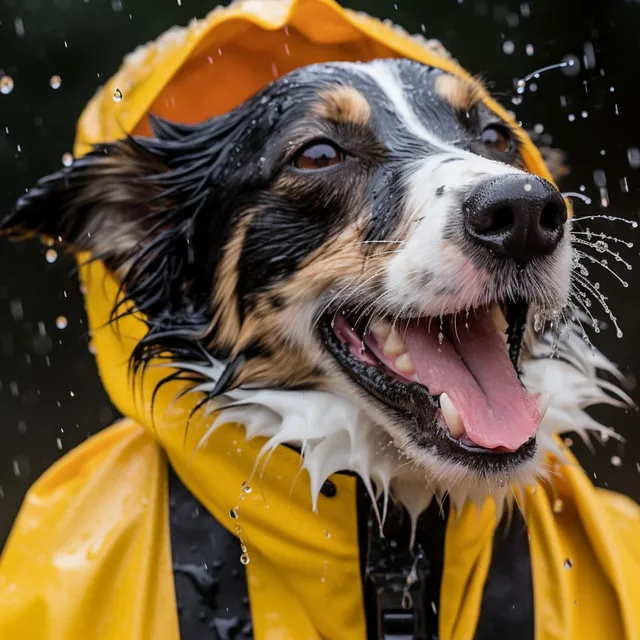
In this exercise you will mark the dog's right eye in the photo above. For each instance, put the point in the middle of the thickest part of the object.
(318, 155)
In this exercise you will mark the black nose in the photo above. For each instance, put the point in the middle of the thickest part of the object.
(516, 216)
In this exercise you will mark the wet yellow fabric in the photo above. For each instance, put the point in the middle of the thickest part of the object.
(89, 555)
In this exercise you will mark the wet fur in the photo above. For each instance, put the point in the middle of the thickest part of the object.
(228, 251)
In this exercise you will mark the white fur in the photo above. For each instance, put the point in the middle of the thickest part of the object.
(334, 434)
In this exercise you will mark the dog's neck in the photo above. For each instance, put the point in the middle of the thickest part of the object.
(334, 434)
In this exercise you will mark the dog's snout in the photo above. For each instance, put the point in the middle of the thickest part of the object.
(516, 216)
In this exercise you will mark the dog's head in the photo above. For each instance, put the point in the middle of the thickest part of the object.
(366, 229)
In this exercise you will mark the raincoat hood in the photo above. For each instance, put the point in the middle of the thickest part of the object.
(100, 512)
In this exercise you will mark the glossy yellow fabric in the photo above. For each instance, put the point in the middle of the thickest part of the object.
(89, 555)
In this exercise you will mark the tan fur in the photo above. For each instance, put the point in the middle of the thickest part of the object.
(343, 104)
(461, 93)
(225, 302)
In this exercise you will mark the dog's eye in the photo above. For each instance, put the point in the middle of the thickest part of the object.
(497, 138)
(319, 155)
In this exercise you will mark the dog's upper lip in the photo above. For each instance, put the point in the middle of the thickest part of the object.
(482, 402)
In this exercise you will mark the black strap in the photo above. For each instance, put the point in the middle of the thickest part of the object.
(210, 580)
(401, 588)
(507, 601)
(390, 573)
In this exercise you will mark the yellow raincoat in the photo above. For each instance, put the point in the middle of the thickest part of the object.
(89, 556)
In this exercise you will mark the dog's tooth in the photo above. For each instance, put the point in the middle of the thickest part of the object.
(394, 346)
(543, 404)
(404, 364)
(451, 416)
(381, 328)
(498, 319)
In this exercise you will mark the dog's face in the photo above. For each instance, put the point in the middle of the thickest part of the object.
(367, 229)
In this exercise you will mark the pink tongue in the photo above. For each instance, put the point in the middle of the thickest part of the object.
(478, 377)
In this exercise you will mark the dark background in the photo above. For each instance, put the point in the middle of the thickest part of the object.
(50, 395)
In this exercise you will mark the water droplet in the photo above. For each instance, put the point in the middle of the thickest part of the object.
(244, 559)
(571, 65)
(601, 246)
(67, 159)
(440, 338)
(233, 513)
(589, 57)
(55, 82)
(584, 114)
(568, 442)
(571, 117)
(327, 534)
(558, 505)
(633, 157)
(529, 49)
(117, 95)
(51, 255)
(568, 564)
(508, 47)
(61, 322)
(246, 488)
(616, 461)
(527, 186)
(538, 322)
(6, 85)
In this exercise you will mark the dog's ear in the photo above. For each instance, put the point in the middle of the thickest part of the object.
(106, 203)
(152, 209)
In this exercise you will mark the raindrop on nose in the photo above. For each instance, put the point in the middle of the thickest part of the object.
(117, 95)
(6, 85)
(55, 82)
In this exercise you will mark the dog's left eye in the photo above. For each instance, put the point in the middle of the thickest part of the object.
(318, 155)
(497, 138)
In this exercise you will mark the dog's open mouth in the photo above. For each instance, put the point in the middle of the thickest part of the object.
(454, 379)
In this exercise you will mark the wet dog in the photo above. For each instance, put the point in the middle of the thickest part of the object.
(367, 231)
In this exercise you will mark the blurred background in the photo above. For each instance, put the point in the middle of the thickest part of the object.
(54, 54)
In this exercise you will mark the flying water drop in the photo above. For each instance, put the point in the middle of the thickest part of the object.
(6, 85)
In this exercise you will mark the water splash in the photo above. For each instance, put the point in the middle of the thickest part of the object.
(522, 82)
(575, 194)
(6, 85)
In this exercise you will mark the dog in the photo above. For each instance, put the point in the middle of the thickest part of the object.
(362, 232)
